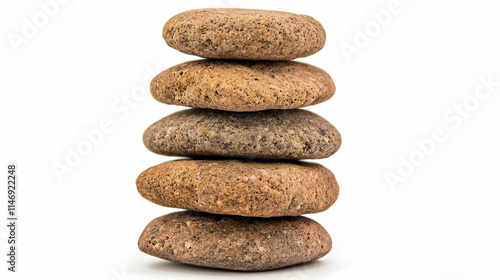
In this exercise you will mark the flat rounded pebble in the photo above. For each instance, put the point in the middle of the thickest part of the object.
(226, 33)
(242, 86)
(233, 242)
(235, 187)
(271, 135)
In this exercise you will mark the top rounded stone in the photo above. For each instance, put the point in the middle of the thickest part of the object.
(244, 34)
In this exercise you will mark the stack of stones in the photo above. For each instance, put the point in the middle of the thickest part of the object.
(242, 184)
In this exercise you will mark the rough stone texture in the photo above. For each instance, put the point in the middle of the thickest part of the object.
(233, 187)
(242, 86)
(233, 242)
(275, 134)
(244, 34)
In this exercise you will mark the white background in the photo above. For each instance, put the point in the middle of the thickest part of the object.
(440, 221)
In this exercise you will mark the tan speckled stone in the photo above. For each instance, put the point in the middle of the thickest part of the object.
(233, 242)
(242, 86)
(244, 34)
(234, 187)
(273, 134)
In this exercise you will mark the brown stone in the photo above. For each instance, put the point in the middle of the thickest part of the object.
(234, 187)
(242, 86)
(233, 242)
(244, 34)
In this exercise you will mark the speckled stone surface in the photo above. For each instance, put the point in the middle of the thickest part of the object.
(242, 86)
(273, 134)
(244, 34)
(234, 187)
(233, 242)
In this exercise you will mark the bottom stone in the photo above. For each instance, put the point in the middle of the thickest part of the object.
(235, 242)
